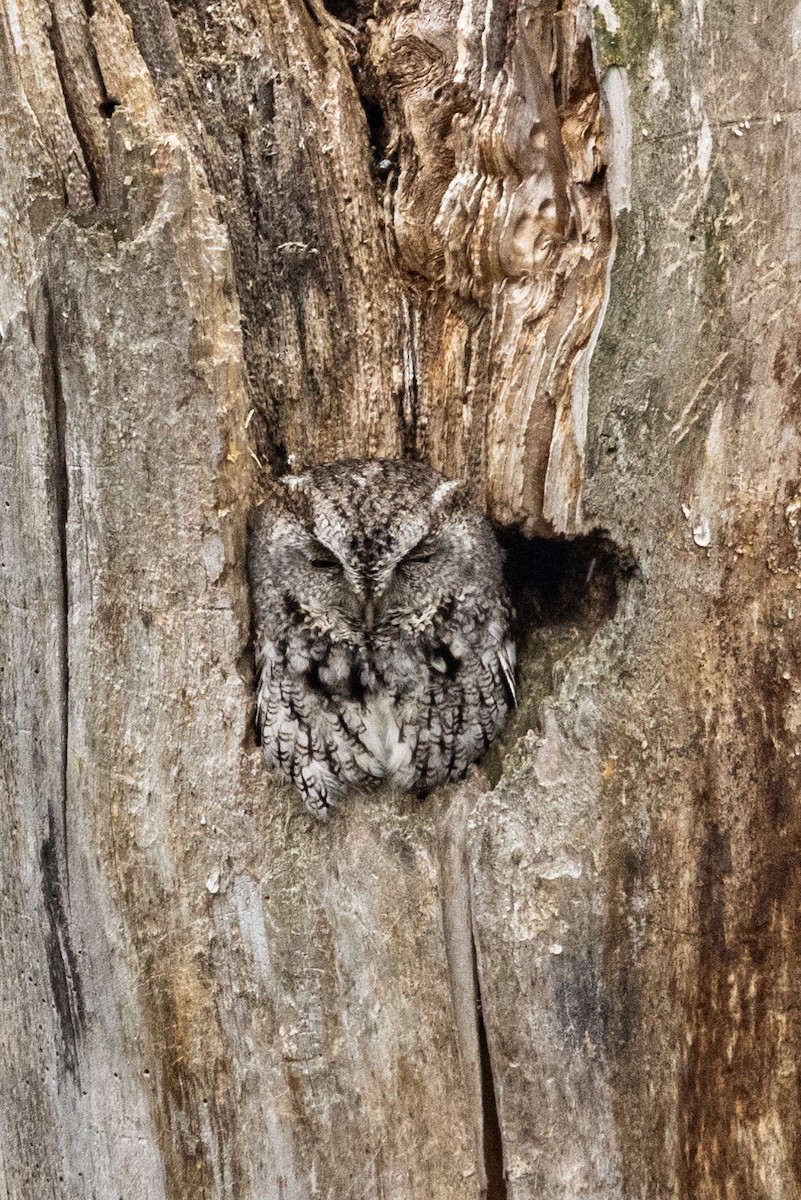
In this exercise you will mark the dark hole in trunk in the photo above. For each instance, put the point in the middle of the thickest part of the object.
(376, 128)
(563, 581)
(563, 591)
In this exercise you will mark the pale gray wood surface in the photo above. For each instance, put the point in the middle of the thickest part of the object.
(576, 974)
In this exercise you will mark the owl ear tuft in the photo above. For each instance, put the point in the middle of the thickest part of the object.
(444, 490)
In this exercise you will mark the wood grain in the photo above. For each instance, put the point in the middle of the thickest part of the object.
(553, 252)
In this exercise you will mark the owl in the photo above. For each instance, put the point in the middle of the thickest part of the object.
(382, 629)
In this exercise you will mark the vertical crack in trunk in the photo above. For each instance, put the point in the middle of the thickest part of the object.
(491, 1126)
(87, 103)
(60, 59)
(60, 485)
(62, 961)
(465, 982)
(408, 401)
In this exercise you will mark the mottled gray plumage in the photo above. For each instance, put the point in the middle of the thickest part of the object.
(382, 629)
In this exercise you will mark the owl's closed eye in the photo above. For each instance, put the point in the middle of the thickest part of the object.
(382, 628)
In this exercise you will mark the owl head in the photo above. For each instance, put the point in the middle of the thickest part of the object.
(368, 546)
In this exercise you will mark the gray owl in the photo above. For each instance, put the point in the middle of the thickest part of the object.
(382, 629)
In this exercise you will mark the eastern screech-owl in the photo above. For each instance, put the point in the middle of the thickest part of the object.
(382, 628)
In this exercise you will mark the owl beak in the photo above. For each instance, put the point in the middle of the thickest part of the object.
(368, 612)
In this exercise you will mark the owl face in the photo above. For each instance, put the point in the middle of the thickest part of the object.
(381, 627)
(372, 547)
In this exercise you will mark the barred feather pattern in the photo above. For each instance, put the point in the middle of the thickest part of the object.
(382, 630)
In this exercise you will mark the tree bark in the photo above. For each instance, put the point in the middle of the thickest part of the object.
(550, 248)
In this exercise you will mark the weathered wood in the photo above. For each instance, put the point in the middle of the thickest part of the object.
(697, 416)
(261, 233)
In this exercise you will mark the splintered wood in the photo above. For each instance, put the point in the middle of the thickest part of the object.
(498, 209)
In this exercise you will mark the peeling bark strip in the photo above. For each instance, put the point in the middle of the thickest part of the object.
(260, 227)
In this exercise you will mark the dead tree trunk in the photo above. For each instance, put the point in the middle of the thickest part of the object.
(550, 248)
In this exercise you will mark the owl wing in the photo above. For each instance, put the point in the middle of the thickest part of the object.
(507, 658)
(463, 690)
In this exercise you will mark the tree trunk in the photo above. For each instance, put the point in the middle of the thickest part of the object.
(548, 247)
